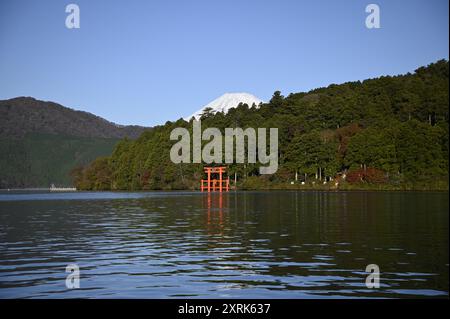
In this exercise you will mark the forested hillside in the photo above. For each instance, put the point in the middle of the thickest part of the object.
(387, 132)
(39, 160)
(41, 142)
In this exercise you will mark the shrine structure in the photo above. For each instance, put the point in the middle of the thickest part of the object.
(215, 180)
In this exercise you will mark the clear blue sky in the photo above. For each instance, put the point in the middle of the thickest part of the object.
(146, 62)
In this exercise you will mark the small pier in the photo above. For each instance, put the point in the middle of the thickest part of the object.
(53, 188)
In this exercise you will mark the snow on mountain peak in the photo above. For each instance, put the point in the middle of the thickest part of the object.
(226, 102)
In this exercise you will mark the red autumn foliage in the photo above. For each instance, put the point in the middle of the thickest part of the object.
(344, 134)
(369, 175)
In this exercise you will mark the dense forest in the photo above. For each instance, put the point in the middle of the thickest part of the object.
(385, 133)
(40, 160)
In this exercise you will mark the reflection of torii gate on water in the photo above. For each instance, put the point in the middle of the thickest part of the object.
(216, 204)
(213, 185)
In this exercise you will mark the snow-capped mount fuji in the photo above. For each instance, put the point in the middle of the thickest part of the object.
(226, 102)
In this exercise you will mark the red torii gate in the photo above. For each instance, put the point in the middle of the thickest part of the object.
(215, 184)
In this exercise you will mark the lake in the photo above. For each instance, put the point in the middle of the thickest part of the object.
(265, 244)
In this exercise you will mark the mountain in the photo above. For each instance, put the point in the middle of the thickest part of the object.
(42, 142)
(226, 102)
(22, 115)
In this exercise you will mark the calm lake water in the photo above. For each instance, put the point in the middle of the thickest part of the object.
(237, 245)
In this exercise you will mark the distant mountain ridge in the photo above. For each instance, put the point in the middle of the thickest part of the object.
(22, 115)
(42, 142)
(226, 102)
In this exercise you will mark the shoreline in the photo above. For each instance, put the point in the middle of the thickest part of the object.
(6, 191)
